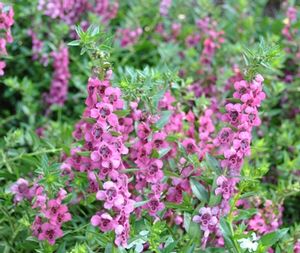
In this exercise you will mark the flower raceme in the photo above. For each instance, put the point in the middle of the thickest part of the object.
(6, 22)
(104, 139)
(59, 85)
(234, 144)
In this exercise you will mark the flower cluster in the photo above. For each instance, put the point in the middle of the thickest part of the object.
(208, 219)
(206, 128)
(212, 42)
(104, 140)
(164, 7)
(22, 190)
(291, 17)
(129, 37)
(59, 85)
(71, 11)
(169, 33)
(52, 215)
(6, 22)
(234, 144)
(150, 173)
(265, 220)
(37, 49)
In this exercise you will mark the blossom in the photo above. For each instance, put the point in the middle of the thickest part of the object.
(154, 205)
(250, 244)
(225, 187)
(50, 232)
(6, 22)
(224, 137)
(110, 195)
(59, 85)
(233, 114)
(129, 37)
(153, 171)
(164, 7)
(21, 190)
(104, 221)
(208, 220)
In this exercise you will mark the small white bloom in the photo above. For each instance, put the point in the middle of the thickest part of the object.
(246, 243)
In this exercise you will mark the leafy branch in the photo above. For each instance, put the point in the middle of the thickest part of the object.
(262, 56)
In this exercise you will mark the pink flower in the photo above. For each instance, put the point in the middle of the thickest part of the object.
(175, 195)
(112, 96)
(104, 113)
(37, 226)
(104, 221)
(110, 195)
(251, 117)
(164, 7)
(50, 232)
(233, 114)
(297, 247)
(59, 85)
(143, 131)
(208, 220)
(224, 137)
(104, 152)
(241, 88)
(2, 67)
(233, 160)
(153, 171)
(21, 190)
(154, 205)
(190, 146)
(242, 143)
(225, 187)
(54, 207)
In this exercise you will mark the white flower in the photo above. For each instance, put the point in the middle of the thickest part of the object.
(248, 243)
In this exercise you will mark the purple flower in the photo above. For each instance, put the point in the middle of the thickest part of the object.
(225, 187)
(21, 190)
(111, 195)
(50, 232)
(104, 221)
(154, 205)
(153, 171)
(233, 114)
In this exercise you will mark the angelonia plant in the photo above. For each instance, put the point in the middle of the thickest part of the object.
(149, 126)
(140, 164)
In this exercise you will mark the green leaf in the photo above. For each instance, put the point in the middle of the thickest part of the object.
(227, 234)
(164, 118)
(270, 239)
(186, 221)
(84, 153)
(191, 249)
(199, 190)
(213, 163)
(109, 248)
(122, 113)
(245, 214)
(163, 152)
(74, 43)
(140, 203)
